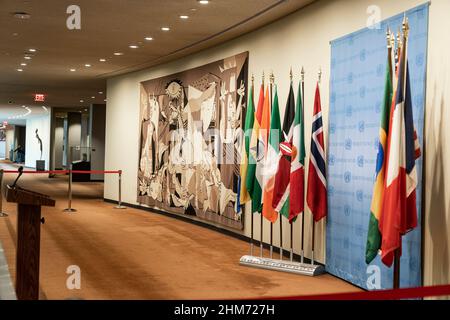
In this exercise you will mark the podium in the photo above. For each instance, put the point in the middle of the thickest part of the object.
(29, 221)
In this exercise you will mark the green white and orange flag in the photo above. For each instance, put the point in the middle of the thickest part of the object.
(271, 162)
(256, 155)
(249, 122)
(263, 138)
(374, 235)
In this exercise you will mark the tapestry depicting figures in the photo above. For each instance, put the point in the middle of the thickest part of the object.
(191, 131)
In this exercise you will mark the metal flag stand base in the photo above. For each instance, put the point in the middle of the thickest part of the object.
(284, 266)
(70, 210)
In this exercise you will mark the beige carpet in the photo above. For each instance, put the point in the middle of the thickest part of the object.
(133, 254)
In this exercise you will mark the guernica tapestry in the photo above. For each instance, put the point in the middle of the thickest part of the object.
(191, 133)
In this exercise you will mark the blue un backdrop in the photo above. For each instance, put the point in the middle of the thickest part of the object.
(358, 64)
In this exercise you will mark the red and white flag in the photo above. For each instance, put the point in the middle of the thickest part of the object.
(317, 184)
(399, 213)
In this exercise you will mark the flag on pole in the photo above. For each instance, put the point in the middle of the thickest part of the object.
(244, 195)
(373, 234)
(297, 197)
(255, 155)
(271, 162)
(263, 140)
(317, 185)
(282, 181)
(399, 214)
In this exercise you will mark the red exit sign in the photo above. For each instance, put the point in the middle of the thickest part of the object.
(39, 97)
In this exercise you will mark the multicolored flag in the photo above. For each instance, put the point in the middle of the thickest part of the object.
(399, 212)
(253, 156)
(297, 196)
(282, 180)
(258, 146)
(373, 235)
(244, 195)
(271, 161)
(263, 140)
(317, 184)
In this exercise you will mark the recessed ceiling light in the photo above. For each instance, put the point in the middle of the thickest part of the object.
(100, 92)
(73, 70)
(81, 101)
(93, 97)
(184, 17)
(118, 53)
(102, 60)
(23, 64)
(133, 46)
(20, 70)
(165, 29)
(21, 15)
(32, 50)
(87, 65)
(203, 1)
(104, 100)
(27, 58)
(148, 38)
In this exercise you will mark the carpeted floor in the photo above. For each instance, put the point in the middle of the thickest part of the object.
(134, 254)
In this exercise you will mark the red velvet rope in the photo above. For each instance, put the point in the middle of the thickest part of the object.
(396, 294)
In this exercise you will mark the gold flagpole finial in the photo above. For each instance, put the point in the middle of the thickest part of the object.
(253, 79)
(392, 40)
(320, 74)
(263, 78)
(388, 37)
(303, 74)
(272, 78)
(399, 40)
(405, 27)
(291, 75)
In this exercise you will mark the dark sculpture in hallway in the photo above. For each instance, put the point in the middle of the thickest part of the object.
(40, 142)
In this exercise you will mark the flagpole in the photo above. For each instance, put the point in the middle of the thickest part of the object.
(272, 81)
(261, 240)
(292, 222)
(302, 252)
(402, 62)
(251, 213)
(312, 216)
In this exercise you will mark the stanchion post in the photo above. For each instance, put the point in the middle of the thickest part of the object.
(120, 206)
(2, 214)
(69, 208)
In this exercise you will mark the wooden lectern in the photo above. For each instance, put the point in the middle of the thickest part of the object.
(28, 239)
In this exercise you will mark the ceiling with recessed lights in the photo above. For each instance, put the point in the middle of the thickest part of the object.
(39, 54)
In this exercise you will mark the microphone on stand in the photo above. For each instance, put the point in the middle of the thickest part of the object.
(20, 174)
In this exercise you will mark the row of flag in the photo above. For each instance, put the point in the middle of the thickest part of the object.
(272, 172)
(393, 208)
